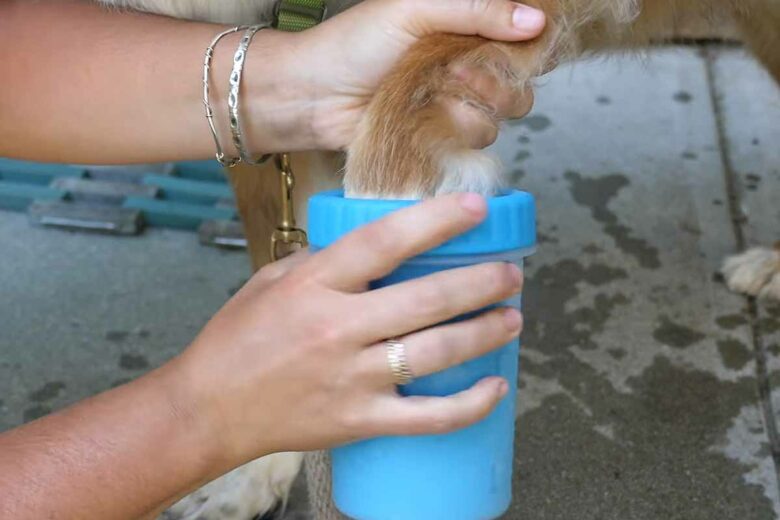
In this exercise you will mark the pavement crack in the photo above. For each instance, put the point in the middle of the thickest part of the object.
(738, 220)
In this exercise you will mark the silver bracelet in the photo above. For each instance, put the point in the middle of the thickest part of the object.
(232, 161)
(234, 96)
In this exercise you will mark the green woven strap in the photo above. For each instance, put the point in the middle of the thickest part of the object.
(297, 15)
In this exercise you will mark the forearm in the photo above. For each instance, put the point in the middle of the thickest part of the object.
(82, 84)
(118, 455)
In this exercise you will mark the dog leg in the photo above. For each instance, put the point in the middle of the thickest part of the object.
(249, 491)
(258, 196)
(257, 199)
(755, 272)
(414, 141)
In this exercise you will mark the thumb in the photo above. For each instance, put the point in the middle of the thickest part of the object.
(493, 19)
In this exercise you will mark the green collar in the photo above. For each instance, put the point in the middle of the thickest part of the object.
(297, 15)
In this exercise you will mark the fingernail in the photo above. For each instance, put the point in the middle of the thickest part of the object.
(516, 274)
(512, 319)
(527, 18)
(473, 203)
(503, 388)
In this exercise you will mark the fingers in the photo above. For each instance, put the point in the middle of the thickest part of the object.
(402, 308)
(377, 248)
(493, 19)
(438, 348)
(417, 415)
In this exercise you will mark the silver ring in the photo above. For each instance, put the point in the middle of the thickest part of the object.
(396, 358)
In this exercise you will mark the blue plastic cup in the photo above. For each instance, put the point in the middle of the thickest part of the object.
(465, 475)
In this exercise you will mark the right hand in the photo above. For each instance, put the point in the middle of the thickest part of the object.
(339, 64)
(295, 361)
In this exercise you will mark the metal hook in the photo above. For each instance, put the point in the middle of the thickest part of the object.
(286, 234)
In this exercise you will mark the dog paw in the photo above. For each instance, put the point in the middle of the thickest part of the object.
(249, 491)
(755, 272)
(426, 124)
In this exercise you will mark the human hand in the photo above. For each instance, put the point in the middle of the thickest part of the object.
(295, 360)
(332, 70)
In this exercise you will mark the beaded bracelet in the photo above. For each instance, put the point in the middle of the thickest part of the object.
(220, 154)
(234, 96)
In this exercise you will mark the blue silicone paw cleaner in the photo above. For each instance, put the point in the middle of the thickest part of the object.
(464, 475)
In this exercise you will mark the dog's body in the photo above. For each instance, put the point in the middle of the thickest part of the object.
(418, 152)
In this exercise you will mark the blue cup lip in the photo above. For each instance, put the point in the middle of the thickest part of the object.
(510, 224)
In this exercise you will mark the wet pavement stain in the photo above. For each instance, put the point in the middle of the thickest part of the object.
(734, 353)
(676, 335)
(769, 325)
(596, 193)
(683, 97)
(567, 471)
(133, 362)
(35, 412)
(543, 238)
(117, 336)
(731, 321)
(47, 392)
(549, 288)
(535, 123)
(592, 249)
(752, 181)
(596, 316)
(516, 176)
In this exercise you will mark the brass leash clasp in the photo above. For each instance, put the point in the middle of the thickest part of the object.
(287, 237)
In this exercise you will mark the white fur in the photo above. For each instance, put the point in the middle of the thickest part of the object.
(472, 171)
(251, 490)
(755, 272)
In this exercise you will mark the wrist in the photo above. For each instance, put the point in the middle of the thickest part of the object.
(278, 98)
(190, 405)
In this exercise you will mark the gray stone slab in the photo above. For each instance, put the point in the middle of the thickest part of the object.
(84, 217)
(222, 233)
(102, 192)
(132, 173)
(635, 401)
(750, 107)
